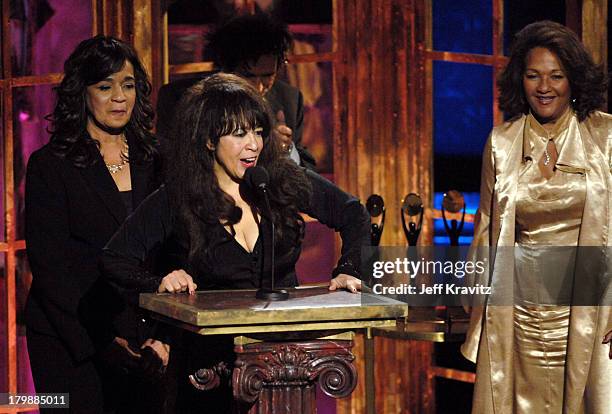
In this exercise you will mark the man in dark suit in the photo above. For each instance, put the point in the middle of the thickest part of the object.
(254, 47)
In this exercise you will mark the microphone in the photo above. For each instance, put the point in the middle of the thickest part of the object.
(257, 178)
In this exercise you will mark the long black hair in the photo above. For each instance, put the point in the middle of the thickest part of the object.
(587, 80)
(212, 108)
(92, 61)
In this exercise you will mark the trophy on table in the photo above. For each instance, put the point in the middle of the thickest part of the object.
(412, 210)
(453, 202)
(376, 207)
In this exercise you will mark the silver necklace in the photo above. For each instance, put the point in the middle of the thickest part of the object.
(546, 156)
(115, 168)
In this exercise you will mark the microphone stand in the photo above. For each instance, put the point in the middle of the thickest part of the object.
(270, 294)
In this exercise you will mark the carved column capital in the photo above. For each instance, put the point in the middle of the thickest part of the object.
(209, 378)
(287, 372)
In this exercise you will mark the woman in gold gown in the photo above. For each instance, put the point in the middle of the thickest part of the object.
(546, 186)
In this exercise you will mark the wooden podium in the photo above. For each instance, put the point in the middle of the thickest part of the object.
(282, 348)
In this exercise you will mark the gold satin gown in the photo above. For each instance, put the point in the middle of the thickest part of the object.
(548, 213)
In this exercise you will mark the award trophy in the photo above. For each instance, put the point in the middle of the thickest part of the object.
(412, 206)
(453, 202)
(376, 207)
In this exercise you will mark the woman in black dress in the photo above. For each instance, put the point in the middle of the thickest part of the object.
(99, 164)
(209, 221)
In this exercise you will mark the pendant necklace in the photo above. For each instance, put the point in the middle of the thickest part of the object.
(115, 168)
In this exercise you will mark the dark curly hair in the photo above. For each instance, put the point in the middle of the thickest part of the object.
(246, 38)
(588, 82)
(93, 60)
(212, 108)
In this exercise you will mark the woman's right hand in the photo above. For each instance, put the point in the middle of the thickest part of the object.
(608, 340)
(177, 281)
(118, 354)
(155, 357)
(161, 349)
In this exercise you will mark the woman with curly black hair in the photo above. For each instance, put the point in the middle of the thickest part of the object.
(545, 213)
(209, 221)
(99, 164)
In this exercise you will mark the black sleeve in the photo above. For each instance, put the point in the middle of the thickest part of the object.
(125, 254)
(299, 120)
(306, 158)
(49, 254)
(344, 213)
(167, 101)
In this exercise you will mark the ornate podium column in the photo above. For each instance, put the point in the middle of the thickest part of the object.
(279, 377)
(292, 345)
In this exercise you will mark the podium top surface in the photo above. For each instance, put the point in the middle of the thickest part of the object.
(306, 305)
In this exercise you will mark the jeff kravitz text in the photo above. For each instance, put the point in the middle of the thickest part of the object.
(452, 272)
(435, 289)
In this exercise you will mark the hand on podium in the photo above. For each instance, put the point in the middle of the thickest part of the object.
(608, 340)
(177, 281)
(344, 281)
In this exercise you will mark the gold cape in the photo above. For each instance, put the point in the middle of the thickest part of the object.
(588, 373)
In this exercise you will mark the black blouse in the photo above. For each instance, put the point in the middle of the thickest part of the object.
(126, 197)
(153, 227)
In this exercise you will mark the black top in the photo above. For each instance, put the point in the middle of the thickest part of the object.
(126, 197)
(71, 213)
(229, 265)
